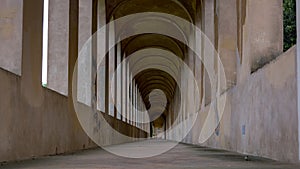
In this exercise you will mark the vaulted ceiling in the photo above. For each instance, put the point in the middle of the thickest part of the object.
(151, 79)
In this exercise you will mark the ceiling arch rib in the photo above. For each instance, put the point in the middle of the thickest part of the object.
(147, 75)
(180, 8)
(147, 78)
(152, 77)
(154, 85)
(136, 43)
(169, 82)
(148, 22)
(157, 80)
(154, 58)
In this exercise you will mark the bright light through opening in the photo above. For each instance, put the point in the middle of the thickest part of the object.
(45, 43)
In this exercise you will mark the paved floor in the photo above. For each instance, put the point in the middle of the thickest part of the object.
(182, 156)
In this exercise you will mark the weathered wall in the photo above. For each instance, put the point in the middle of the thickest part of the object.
(266, 105)
(46, 128)
(36, 121)
(261, 105)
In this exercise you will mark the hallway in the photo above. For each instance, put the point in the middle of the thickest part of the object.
(84, 82)
(182, 156)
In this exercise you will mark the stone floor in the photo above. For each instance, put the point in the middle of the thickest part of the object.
(182, 156)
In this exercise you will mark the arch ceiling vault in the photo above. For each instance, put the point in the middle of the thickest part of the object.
(151, 79)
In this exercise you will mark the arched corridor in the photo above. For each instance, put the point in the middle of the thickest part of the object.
(202, 81)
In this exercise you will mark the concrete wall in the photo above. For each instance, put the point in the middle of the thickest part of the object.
(37, 121)
(260, 116)
(46, 128)
(266, 107)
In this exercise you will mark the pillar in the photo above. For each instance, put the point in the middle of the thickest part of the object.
(130, 83)
(111, 69)
(208, 57)
(262, 34)
(198, 48)
(133, 103)
(124, 98)
(136, 105)
(11, 35)
(58, 44)
(124, 91)
(84, 94)
(298, 70)
(101, 69)
(127, 94)
(226, 39)
(118, 82)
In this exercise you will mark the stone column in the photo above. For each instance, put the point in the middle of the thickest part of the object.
(208, 57)
(130, 83)
(262, 34)
(111, 69)
(134, 102)
(124, 91)
(198, 48)
(58, 46)
(11, 35)
(298, 70)
(119, 82)
(136, 105)
(85, 59)
(226, 39)
(101, 43)
(124, 88)
(127, 94)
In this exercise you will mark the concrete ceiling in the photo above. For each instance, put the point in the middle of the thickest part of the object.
(133, 44)
(181, 8)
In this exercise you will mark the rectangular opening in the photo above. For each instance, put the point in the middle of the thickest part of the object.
(45, 43)
(289, 24)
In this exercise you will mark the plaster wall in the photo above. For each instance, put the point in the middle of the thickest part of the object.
(36, 121)
(260, 116)
(48, 128)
